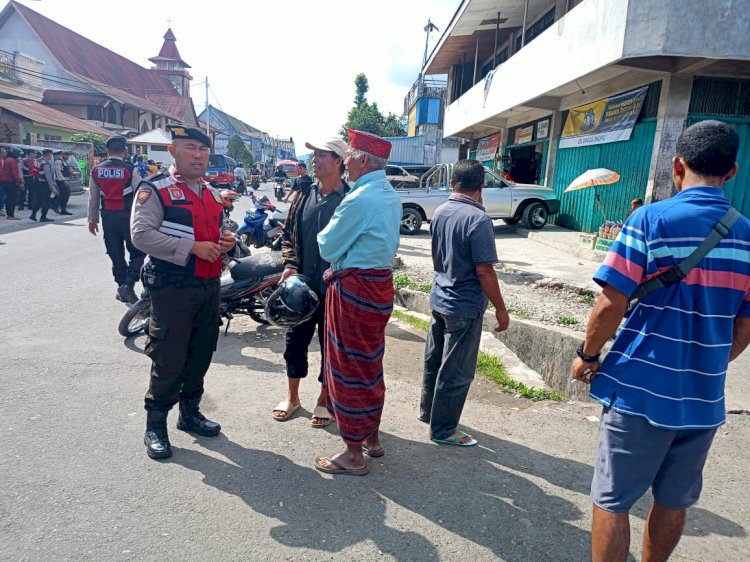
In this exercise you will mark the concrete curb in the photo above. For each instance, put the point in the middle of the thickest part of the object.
(548, 350)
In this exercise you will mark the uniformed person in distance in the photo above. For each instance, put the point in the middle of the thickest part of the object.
(177, 220)
(113, 182)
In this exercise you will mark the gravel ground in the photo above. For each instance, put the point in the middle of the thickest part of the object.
(526, 295)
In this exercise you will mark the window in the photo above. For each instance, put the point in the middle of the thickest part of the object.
(111, 114)
(500, 58)
(535, 29)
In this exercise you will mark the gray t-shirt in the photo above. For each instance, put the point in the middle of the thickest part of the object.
(462, 237)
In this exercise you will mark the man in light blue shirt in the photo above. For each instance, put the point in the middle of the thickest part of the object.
(360, 243)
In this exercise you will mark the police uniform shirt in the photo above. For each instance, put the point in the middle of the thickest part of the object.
(95, 192)
(145, 220)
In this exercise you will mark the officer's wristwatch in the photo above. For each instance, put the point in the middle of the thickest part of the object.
(587, 358)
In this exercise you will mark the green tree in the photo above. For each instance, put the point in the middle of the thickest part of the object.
(360, 81)
(237, 149)
(367, 117)
(97, 140)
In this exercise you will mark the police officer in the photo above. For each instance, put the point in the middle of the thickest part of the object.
(177, 220)
(112, 185)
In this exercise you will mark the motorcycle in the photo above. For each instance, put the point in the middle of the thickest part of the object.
(259, 229)
(240, 186)
(244, 289)
(254, 182)
(278, 191)
(228, 197)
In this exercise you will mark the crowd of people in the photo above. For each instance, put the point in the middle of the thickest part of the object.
(661, 385)
(39, 181)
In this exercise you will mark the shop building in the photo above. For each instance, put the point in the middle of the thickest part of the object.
(547, 89)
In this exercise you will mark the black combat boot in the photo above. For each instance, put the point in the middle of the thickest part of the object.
(192, 420)
(156, 438)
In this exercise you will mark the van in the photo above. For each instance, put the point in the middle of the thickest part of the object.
(220, 171)
(290, 167)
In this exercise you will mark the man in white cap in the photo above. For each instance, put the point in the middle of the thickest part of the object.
(310, 212)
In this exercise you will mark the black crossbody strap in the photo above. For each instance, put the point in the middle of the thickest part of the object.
(678, 272)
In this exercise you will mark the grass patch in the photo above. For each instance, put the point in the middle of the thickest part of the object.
(413, 321)
(586, 298)
(403, 282)
(490, 367)
(521, 313)
(566, 321)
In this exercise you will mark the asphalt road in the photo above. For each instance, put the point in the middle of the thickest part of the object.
(75, 482)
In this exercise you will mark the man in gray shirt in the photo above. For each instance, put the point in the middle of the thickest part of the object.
(463, 256)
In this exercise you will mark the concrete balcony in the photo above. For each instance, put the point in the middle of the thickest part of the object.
(602, 47)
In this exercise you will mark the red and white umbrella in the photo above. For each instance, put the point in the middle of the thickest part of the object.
(593, 178)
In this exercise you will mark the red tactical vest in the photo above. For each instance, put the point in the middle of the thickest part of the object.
(114, 177)
(187, 215)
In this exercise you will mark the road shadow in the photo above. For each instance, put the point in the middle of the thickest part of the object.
(315, 511)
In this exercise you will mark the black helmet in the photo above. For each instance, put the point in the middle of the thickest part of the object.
(292, 302)
(15, 152)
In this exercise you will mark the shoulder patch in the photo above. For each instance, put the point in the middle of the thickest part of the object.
(143, 194)
(217, 197)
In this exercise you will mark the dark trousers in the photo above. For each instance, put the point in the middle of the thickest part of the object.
(24, 195)
(61, 201)
(40, 197)
(450, 362)
(182, 333)
(11, 196)
(298, 340)
(116, 227)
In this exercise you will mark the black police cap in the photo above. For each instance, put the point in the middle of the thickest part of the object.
(182, 132)
(116, 142)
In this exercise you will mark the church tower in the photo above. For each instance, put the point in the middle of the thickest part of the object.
(170, 65)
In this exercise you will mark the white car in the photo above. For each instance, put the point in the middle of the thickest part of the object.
(400, 178)
(529, 204)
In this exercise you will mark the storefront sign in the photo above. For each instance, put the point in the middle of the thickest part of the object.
(542, 130)
(608, 120)
(487, 147)
(524, 134)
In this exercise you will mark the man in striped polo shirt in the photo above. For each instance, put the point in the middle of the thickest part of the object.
(662, 382)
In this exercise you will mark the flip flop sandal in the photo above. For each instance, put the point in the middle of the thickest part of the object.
(455, 440)
(373, 454)
(287, 407)
(338, 468)
(321, 413)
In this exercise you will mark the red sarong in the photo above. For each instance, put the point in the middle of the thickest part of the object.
(359, 303)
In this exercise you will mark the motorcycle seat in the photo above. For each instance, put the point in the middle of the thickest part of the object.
(257, 266)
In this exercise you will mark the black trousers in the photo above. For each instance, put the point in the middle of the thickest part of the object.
(61, 201)
(116, 227)
(40, 197)
(298, 340)
(183, 332)
(11, 197)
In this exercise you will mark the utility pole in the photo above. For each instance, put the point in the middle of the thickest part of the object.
(428, 28)
(208, 112)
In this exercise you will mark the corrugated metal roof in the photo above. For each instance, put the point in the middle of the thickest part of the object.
(86, 58)
(66, 97)
(49, 117)
(406, 150)
(154, 136)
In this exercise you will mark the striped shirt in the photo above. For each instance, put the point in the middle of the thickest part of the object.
(669, 360)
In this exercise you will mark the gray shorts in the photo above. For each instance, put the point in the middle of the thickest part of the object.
(633, 455)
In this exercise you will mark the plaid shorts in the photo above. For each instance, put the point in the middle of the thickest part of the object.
(633, 456)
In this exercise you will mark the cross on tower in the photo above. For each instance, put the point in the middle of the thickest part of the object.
(169, 22)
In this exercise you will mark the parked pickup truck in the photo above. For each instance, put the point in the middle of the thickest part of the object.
(502, 199)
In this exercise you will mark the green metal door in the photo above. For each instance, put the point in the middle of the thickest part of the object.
(736, 189)
(631, 159)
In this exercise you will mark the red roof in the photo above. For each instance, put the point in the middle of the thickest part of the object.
(67, 97)
(82, 56)
(180, 107)
(169, 50)
(49, 117)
